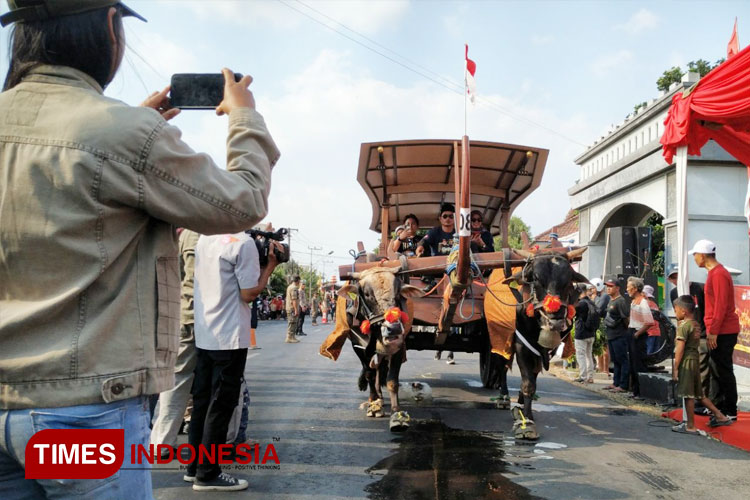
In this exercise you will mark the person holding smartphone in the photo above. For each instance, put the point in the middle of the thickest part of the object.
(481, 239)
(405, 241)
(89, 277)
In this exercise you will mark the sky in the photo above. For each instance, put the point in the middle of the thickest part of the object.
(330, 75)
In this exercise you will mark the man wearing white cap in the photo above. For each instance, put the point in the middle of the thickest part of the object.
(722, 325)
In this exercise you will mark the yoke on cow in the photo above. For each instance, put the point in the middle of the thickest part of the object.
(468, 302)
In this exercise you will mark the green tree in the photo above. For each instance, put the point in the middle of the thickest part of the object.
(515, 228)
(283, 274)
(703, 67)
(657, 243)
(277, 283)
(675, 74)
(669, 77)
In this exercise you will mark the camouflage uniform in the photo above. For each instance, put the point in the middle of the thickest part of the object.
(292, 295)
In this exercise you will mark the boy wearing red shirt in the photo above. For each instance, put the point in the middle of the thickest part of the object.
(722, 325)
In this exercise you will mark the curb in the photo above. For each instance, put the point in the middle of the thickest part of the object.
(641, 406)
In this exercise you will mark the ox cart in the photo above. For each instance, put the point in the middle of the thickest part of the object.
(448, 294)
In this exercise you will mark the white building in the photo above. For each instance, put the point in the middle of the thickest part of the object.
(624, 179)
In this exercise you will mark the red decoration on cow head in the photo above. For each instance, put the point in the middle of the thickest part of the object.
(404, 317)
(393, 314)
(571, 312)
(364, 327)
(530, 310)
(552, 303)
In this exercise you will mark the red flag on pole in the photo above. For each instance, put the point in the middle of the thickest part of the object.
(734, 43)
(471, 68)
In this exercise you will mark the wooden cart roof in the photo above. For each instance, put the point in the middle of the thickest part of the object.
(418, 176)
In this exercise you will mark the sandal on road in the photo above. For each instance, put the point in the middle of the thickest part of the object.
(682, 429)
(714, 422)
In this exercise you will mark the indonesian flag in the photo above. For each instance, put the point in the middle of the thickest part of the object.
(734, 42)
(471, 84)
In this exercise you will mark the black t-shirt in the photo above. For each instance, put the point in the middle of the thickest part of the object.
(407, 246)
(587, 319)
(618, 311)
(696, 291)
(438, 241)
(489, 245)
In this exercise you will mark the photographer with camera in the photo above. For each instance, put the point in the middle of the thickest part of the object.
(228, 277)
(92, 191)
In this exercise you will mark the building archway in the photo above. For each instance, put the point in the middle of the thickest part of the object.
(626, 214)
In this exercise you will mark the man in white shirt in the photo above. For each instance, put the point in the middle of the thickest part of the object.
(228, 278)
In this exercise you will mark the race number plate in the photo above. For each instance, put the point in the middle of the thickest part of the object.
(464, 222)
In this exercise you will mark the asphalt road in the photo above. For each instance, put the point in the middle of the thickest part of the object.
(459, 446)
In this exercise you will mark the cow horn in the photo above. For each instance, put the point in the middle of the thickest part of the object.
(580, 278)
(526, 254)
(574, 254)
(394, 270)
(517, 277)
(354, 276)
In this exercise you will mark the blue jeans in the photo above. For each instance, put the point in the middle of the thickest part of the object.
(653, 344)
(618, 353)
(17, 427)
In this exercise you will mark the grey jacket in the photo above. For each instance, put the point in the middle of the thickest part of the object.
(91, 190)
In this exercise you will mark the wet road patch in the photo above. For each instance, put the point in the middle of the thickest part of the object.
(435, 461)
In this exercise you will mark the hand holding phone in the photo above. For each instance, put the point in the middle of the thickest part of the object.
(221, 91)
(236, 94)
(160, 102)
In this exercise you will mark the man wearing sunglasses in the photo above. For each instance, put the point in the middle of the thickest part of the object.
(439, 240)
(481, 239)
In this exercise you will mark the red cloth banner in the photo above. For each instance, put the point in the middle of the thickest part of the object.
(742, 304)
(734, 42)
(717, 107)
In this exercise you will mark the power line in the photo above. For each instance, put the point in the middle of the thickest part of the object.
(375, 42)
(451, 85)
(334, 256)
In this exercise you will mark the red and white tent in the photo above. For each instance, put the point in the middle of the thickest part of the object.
(718, 108)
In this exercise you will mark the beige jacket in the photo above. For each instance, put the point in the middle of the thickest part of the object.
(91, 190)
(187, 241)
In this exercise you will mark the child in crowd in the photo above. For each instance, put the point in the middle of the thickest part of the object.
(686, 371)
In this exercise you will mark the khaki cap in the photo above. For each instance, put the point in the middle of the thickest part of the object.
(40, 10)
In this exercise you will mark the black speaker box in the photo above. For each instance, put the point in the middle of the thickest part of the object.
(622, 254)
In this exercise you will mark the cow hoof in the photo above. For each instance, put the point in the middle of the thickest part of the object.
(523, 428)
(399, 421)
(503, 402)
(375, 409)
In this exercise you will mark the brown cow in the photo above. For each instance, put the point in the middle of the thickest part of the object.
(376, 310)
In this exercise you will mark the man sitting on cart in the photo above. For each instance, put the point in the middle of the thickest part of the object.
(439, 240)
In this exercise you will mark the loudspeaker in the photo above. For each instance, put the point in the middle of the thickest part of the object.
(622, 254)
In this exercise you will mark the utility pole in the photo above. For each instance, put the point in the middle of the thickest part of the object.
(310, 284)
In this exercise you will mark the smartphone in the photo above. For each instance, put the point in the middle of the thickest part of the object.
(198, 90)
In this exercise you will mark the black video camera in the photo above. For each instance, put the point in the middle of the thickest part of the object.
(263, 242)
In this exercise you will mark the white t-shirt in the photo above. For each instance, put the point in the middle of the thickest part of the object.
(224, 264)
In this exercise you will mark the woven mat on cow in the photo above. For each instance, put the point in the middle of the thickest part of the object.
(501, 318)
(331, 346)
